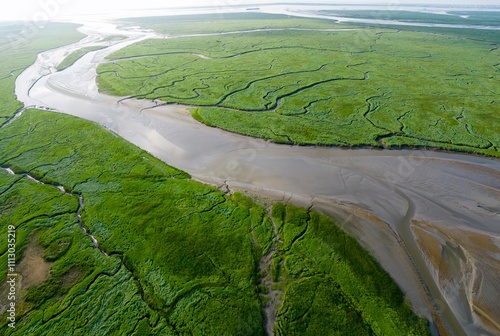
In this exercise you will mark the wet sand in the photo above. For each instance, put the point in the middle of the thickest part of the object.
(394, 202)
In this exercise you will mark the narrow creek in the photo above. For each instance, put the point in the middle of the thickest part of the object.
(64, 191)
(365, 178)
(435, 295)
(273, 296)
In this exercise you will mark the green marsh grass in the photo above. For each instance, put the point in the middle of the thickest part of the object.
(174, 256)
(75, 56)
(18, 51)
(225, 22)
(363, 87)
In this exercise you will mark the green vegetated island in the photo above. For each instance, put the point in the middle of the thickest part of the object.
(351, 87)
(121, 243)
(75, 56)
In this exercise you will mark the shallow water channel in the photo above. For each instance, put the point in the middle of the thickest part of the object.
(377, 194)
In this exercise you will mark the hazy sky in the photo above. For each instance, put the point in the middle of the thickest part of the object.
(38, 10)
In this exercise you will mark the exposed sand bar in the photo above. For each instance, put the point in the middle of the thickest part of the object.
(382, 197)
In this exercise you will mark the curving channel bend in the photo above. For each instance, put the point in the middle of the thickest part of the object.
(431, 219)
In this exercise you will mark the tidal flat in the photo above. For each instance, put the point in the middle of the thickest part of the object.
(384, 198)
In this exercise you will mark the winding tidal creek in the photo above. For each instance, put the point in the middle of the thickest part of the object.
(414, 210)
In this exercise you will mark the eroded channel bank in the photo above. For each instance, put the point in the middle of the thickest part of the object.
(413, 209)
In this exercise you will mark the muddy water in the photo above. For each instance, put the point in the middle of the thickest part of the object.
(394, 187)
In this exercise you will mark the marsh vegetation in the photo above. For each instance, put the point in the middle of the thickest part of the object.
(364, 87)
(75, 56)
(122, 243)
(172, 254)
